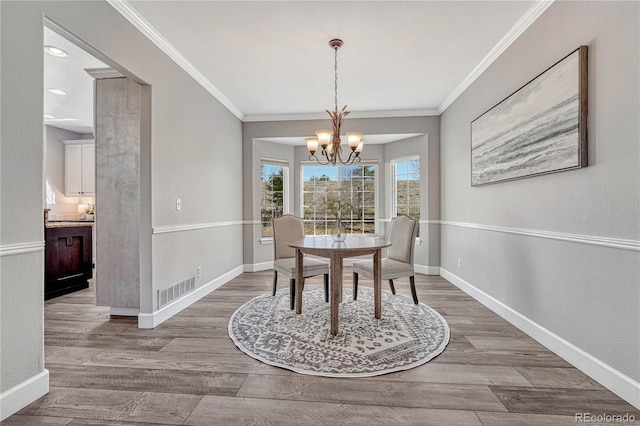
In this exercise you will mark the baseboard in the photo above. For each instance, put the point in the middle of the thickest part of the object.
(23, 394)
(427, 270)
(620, 384)
(257, 267)
(156, 318)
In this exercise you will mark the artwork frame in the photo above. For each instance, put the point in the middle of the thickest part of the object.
(538, 129)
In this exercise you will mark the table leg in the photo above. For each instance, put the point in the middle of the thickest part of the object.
(377, 283)
(298, 281)
(336, 290)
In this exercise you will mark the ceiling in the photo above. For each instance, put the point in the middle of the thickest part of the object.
(73, 111)
(271, 60)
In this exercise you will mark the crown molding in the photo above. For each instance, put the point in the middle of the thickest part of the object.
(352, 115)
(132, 15)
(516, 31)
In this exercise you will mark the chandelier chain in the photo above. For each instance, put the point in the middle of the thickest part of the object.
(335, 70)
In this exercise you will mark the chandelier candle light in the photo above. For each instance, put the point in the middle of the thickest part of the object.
(329, 140)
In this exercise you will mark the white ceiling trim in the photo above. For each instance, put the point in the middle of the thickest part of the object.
(516, 31)
(129, 13)
(354, 114)
(123, 7)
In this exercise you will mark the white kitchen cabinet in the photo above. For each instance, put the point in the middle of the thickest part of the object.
(79, 168)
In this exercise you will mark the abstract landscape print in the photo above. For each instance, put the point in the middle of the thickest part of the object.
(539, 129)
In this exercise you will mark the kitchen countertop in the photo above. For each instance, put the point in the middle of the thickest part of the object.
(68, 223)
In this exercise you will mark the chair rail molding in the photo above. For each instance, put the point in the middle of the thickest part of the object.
(194, 226)
(618, 243)
(21, 248)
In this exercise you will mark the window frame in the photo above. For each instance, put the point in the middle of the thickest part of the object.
(285, 190)
(376, 186)
(394, 190)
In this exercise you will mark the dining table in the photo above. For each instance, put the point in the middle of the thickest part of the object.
(336, 252)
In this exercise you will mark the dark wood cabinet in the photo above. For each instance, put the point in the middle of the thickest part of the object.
(68, 259)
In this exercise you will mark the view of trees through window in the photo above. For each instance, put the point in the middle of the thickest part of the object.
(273, 195)
(407, 188)
(345, 191)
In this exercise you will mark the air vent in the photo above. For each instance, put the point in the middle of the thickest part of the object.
(176, 291)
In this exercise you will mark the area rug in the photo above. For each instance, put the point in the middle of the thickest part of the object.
(406, 336)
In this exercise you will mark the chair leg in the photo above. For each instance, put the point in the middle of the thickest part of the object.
(275, 282)
(355, 286)
(326, 288)
(412, 282)
(393, 289)
(292, 293)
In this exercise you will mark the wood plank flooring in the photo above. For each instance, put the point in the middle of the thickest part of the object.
(106, 371)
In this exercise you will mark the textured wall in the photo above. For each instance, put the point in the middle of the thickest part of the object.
(118, 114)
(585, 293)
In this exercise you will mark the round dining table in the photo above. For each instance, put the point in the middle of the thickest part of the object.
(336, 252)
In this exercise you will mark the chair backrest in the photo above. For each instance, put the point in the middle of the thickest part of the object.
(285, 229)
(402, 234)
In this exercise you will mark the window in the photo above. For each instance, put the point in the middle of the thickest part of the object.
(350, 190)
(274, 193)
(406, 187)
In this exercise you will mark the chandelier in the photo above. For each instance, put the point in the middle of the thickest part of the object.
(329, 140)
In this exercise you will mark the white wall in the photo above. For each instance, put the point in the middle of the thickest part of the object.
(576, 293)
(196, 153)
(64, 208)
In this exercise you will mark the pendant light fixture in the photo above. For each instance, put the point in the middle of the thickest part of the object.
(329, 140)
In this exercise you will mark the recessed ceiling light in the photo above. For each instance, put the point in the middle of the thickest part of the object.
(49, 117)
(55, 51)
(57, 91)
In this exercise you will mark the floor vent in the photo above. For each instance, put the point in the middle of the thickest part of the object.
(170, 294)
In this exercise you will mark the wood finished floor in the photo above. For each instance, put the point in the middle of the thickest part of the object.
(106, 371)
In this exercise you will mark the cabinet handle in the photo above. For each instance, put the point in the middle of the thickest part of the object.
(69, 277)
(69, 241)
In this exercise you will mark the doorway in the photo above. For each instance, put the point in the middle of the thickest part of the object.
(91, 80)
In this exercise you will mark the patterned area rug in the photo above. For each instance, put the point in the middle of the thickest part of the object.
(406, 336)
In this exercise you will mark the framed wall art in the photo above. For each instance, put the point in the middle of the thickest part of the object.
(540, 128)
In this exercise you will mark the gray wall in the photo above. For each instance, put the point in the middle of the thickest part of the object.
(268, 150)
(427, 253)
(196, 154)
(585, 293)
(256, 253)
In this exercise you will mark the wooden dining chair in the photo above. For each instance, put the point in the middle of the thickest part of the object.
(399, 260)
(290, 228)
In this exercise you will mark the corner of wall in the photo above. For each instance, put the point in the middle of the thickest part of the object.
(23, 394)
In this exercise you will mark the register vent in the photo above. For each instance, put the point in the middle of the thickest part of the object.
(177, 290)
